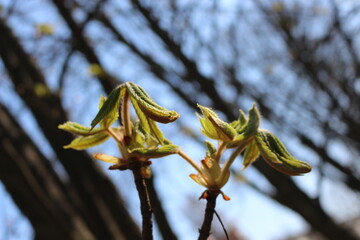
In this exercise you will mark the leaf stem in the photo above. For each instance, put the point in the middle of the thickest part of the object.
(204, 232)
(232, 157)
(219, 151)
(189, 160)
(113, 135)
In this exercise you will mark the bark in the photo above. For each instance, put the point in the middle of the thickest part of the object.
(105, 212)
(35, 187)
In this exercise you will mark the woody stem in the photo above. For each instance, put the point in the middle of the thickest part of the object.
(204, 232)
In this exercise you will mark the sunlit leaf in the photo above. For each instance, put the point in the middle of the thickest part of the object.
(251, 154)
(148, 106)
(109, 106)
(250, 129)
(213, 127)
(155, 153)
(84, 142)
(276, 155)
(211, 149)
(79, 129)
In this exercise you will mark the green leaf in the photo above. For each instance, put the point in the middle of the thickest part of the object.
(155, 153)
(79, 129)
(142, 118)
(214, 127)
(241, 122)
(251, 154)
(111, 117)
(84, 142)
(157, 133)
(250, 128)
(211, 149)
(275, 154)
(109, 107)
(148, 106)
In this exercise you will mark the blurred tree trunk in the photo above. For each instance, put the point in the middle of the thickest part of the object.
(36, 188)
(101, 205)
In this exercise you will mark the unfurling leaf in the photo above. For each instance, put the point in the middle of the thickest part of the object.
(213, 127)
(211, 175)
(79, 129)
(251, 154)
(155, 153)
(148, 106)
(276, 155)
(111, 117)
(250, 129)
(240, 124)
(211, 149)
(149, 127)
(84, 142)
(109, 106)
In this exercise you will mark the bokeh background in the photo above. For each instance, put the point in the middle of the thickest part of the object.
(298, 60)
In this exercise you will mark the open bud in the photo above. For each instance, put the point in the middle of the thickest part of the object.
(210, 175)
(213, 127)
(249, 129)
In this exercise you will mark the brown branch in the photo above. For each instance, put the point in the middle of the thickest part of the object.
(145, 205)
(159, 213)
(35, 186)
(209, 214)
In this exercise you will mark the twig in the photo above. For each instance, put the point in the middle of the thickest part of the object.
(209, 214)
(145, 206)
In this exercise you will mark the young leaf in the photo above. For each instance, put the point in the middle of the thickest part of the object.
(250, 128)
(148, 106)
(155, 153)
(79, 129)
(211, 149)
(111, 117)
(110, 105)
(157, 133)
(84, 142)
(142, 118)
(241, 122)
(276, 155)
(251, 154)
(214, 127)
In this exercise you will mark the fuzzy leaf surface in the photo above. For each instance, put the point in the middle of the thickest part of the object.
(276, 155)
(84, 142)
